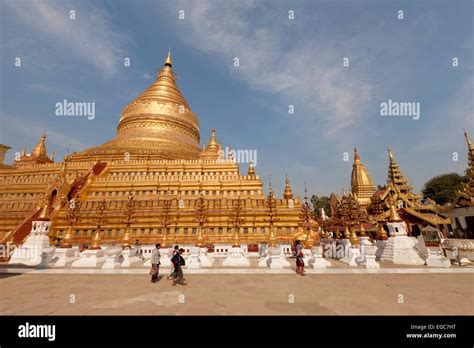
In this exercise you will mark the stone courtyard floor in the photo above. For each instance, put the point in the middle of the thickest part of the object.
(400, 292)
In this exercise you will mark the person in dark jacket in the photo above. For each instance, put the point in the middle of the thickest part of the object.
(175, 251)
(178, 263)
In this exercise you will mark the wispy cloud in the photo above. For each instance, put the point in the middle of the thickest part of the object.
(298, 71)
(89, 37)
(32, 133)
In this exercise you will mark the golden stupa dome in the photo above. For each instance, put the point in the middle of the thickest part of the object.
(159, 123)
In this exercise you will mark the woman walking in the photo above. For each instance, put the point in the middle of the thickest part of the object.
(300, 262)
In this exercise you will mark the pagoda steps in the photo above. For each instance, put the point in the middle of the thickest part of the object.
(19, 234)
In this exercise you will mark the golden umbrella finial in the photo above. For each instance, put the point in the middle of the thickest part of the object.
(469, 142)
(44, 215)
(251, 171)
(394, 217)
(168, 61)
(390, 154)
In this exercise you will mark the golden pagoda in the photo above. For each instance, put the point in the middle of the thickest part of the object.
(157, 149)
(466, 196)
(415, 211)
(361, 182)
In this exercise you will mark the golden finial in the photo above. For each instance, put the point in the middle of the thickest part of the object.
(288, 193)
(394, 217)
(347, 234)
(469, 142)
(23, 151)
(381, 232)
(362, 229)
(251, 171)
(390, 154)
(213, 142)
(40, 149)
(44, 215)
(96, 241)
(270, 188)
(51, 157)
(356, 155)
(168, 61)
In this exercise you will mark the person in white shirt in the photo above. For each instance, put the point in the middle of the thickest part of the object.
(155, 263)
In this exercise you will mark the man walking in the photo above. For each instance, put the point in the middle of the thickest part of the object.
(178, 262)
(175, 251)
(155, 263)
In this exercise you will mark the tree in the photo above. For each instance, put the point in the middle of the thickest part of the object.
(318, 203)
(443, 188)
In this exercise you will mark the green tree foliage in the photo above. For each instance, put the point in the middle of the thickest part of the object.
(442, 188)
(318, 203)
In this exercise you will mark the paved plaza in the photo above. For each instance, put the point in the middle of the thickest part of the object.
(397, 293)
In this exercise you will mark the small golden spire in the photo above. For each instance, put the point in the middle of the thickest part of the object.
(40, 149)
(23, 152)
(394, 217)
(96, 241)
(362, 229)
(168, 61)
(381, 232)
(390, 154)
(44, 215)
(356, 155)
(347, 234)
(51, 157)
(353, 236)
(213, 145)
(468, 140)
(251, 171)
(288, 193)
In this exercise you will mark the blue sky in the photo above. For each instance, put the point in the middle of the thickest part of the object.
(282, 62)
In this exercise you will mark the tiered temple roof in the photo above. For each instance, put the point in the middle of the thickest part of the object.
(466, 195)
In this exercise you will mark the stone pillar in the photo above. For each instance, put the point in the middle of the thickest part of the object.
(193, 260)
(46, 257)
(90, 258)
(369, 257)
(112, 258)
(205, 259)
(317, 260)
(65, 256)
(236, 258)
(275, 260)
(353, 255)
(129, 257)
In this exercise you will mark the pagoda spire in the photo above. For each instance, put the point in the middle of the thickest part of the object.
(251, 171)
(213, 145)
(470, 147)
(466, 196)
(288, 193)
(395, 175)
(362, 186)
(40, 149)
(168, 61)
(394, 217)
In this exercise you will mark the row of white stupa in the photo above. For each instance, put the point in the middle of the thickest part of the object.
(398, 249)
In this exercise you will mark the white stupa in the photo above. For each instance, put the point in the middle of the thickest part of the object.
(400, 249)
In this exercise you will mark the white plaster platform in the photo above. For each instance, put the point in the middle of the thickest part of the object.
(98, 271)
